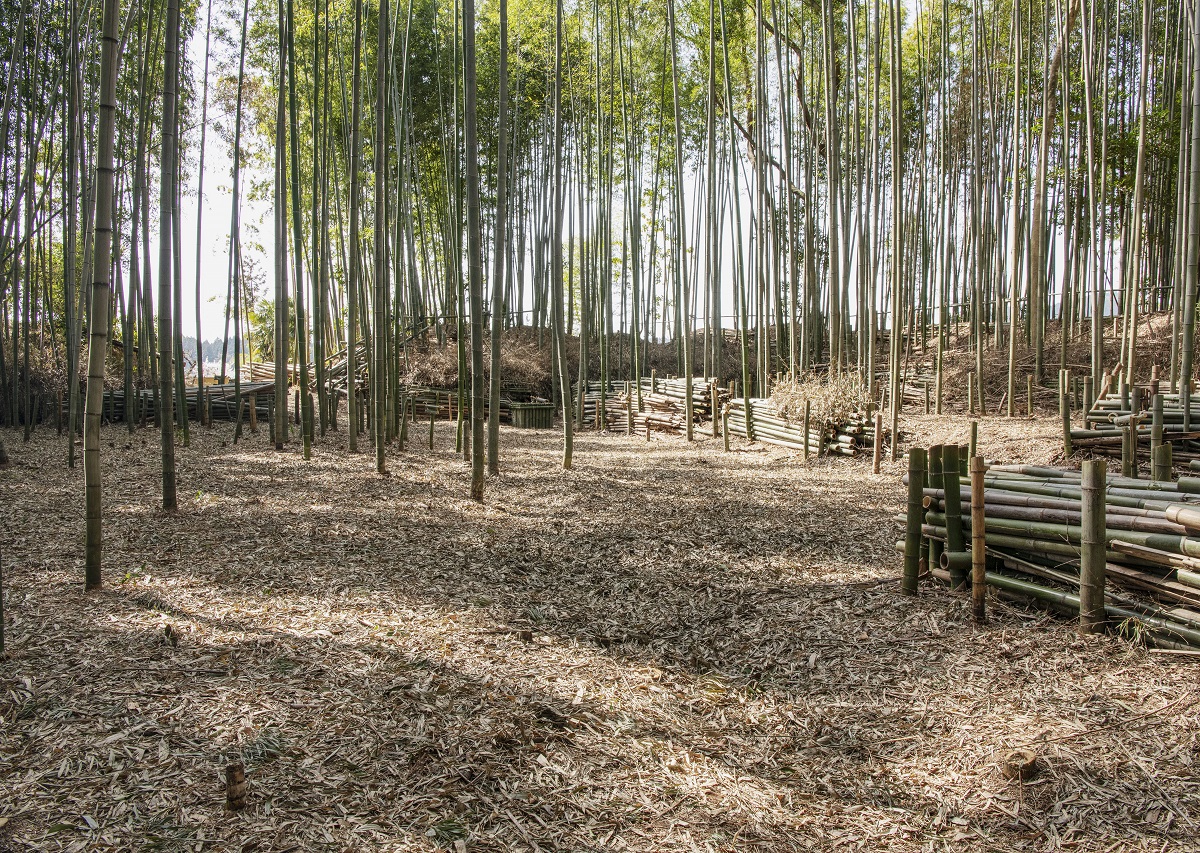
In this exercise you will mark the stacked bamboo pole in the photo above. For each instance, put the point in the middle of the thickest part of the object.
(219, 401)
(759, 420)
(1135, 422)
(663, 405)
(1112, 549)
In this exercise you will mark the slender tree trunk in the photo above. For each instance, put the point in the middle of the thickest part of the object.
(499, 250)
(166, 201)
(102, 268)
(379, 362)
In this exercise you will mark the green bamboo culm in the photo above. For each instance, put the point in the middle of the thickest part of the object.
(1064, 411)
(1093, 543)
(954, 526)
(912, 542)
(973, 447)
(934, 547)
(97, 331)
(1162, 463)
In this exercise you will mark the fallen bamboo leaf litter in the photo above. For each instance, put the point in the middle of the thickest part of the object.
(667, 648)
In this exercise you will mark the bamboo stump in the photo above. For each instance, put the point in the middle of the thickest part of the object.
(235, 787)
(1162, 463)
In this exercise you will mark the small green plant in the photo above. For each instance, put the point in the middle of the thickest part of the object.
(132, 575)
(1132, 629)
(447, 830)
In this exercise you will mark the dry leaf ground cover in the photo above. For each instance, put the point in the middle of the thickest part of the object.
(666, 648)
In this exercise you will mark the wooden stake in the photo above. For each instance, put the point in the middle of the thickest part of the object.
(978, 542)
(1092, 547)
(916, 513)
(934, 547)
(877, 453)
(403, 432)
(725, 426)
(1029, 396)
(954, 525)
(715, 420)
(807, 422)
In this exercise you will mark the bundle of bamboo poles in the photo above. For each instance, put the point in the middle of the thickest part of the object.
(1037, 527)
(442, 403)
(654, 404)
(338, 366)
(659, 413)
(219, 400)
(759, 420)
(1138, 423)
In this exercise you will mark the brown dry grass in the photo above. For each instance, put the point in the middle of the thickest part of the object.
(832, 399)
(667, 648)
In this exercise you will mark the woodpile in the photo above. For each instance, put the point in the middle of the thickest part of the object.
(442, 403)
(760, 421)
(220, 399)
(663, 404)
(1037, 525)
(1134, 422)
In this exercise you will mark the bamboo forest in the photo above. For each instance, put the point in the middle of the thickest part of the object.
(599, 425)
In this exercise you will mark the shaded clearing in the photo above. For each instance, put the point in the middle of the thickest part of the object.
(666, 648)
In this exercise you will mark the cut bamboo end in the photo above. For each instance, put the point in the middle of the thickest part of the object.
(235, 786)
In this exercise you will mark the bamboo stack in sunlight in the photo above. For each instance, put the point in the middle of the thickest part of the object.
(1036, 534)
(663, 405)
(1132, 422)
(760, 421)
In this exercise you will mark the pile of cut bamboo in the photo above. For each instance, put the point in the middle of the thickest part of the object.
(1053, 535)
(759, 420)
(220, 400)
(1141, 423)
(443, 403)
(663, 404)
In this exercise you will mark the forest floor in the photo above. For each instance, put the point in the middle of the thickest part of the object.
(667, 648)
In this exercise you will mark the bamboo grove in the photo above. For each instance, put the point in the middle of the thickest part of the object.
(846, 187)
